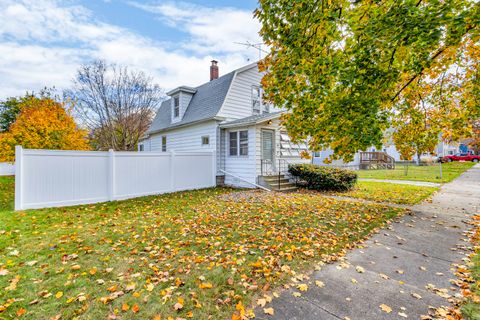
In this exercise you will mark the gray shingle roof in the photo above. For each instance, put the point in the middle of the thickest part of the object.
(205, 104)
(252, 119)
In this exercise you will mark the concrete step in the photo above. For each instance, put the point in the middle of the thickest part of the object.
(286, 189)
(276, 181)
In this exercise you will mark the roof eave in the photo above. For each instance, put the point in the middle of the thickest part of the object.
(182, 89)
(253, 122)
(181, 125)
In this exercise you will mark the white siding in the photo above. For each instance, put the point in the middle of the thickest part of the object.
(7, 169)
(188, 138)
(241, 166)
(238, 103)
(275, 125)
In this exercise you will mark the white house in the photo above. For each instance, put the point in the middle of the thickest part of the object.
(226, 115)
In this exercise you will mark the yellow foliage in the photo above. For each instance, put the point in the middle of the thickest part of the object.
(42, 124)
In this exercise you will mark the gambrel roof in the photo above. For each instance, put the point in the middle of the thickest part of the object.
(205, 104)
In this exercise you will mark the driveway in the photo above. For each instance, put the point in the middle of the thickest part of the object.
(400, 272)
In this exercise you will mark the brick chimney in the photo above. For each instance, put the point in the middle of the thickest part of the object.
(214, 70)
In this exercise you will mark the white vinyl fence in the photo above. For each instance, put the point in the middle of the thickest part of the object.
(53, 178)
(7, 169)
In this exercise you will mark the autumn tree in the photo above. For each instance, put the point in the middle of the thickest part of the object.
(116, 104)
(342, 68)
(42, 123)
(10, 108)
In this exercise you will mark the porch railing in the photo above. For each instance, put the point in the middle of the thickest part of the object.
(273, 168)
(277, 169)
(376, 159)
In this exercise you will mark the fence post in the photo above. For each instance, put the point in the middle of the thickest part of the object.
(172, 170)
(111, 175)
(18, 177)
(214, 168)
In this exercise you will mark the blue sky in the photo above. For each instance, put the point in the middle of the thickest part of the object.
(43, 42)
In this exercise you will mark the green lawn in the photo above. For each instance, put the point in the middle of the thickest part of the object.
(471, 277)
(195, 254)
(389, 192)
(420, 173)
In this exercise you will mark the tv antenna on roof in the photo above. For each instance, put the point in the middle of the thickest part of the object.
(257, 46)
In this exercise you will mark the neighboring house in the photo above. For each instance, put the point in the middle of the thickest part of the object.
(227, 116)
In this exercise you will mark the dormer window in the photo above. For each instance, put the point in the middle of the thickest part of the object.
(176, 107)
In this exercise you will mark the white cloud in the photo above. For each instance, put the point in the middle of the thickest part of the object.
(210, 29)
(42, 43)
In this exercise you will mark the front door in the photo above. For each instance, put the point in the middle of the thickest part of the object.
(268, 151)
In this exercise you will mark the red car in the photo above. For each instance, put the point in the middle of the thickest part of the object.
(461, 157)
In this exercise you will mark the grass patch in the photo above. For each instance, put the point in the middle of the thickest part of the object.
(7, 195)
(193, 254)
(431, 173)
(471, 308)
(389, 192)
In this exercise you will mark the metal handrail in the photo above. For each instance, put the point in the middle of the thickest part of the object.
(244, 180)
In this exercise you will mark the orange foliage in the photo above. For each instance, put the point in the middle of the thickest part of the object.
(42, 124)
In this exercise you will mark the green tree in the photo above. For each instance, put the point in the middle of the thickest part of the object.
(11, 107)
(342, 67)
(9, 110)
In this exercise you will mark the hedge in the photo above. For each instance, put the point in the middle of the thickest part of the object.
(323, 178)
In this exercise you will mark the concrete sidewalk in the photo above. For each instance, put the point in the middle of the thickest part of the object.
(399, 263)
(413, 183)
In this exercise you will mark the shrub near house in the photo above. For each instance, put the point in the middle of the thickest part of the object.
(324, 178)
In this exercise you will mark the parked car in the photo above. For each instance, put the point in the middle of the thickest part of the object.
(461, 157)
(428, 159)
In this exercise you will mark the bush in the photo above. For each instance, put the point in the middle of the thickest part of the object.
(323, 178)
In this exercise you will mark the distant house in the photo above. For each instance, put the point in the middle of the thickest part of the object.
(226, 115)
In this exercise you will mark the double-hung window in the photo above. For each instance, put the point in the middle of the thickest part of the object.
(176, 107)
(238, 143)
(164, 143)
(256, 100)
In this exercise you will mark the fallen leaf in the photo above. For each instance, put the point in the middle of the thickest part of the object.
(302, 287)
(385, 308)
(21, 312)
(416, 295)
(205, 285)
(59, 294)
(261, 302)
(359, 269)
(269, 311)
(135, 308)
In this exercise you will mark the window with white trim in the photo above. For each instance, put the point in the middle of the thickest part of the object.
(176, 107)
(141, 147)
(238, 143)
(205, 140)
(288, 148)
(256, 100)
(164, 143)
